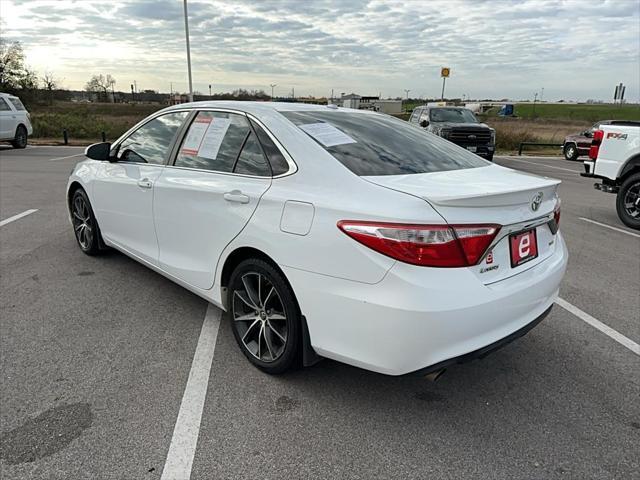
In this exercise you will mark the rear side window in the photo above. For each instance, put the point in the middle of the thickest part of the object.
(4, 106)
(213, 141)
(150, 143)
(17, 103)
(278, 163)
(376, 144)
(251, 160)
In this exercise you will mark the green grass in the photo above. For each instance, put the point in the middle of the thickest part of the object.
(87, 121)
(581, 112)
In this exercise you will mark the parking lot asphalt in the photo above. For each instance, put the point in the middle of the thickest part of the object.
(95, 353)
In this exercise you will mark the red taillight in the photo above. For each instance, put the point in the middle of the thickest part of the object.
(556, 213)
(598, 135)
(425, 245)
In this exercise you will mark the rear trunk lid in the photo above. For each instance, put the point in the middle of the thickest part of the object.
(488, 195)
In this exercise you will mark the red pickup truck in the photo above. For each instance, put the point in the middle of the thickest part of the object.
(578, 144)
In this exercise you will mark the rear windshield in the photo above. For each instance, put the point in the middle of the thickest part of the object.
(375, 144)
(16, 103)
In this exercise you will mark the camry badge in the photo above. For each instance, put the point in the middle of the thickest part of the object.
(471, 137)
(536, 201)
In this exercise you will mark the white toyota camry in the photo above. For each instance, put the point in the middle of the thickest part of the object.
(328, 232)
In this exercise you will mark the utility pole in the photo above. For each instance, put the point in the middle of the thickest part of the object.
(535, 98)
(272, 85)
(293, 92)
(541, 94)
(209, 91)
(186, 33)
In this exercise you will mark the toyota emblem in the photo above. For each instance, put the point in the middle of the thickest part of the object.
(536, 201)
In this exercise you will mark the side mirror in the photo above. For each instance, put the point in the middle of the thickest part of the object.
(424, 123)
(98, 151)
(588, 133)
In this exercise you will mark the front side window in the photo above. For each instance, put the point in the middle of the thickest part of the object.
(415, 115)
(17, 103)
(375, 144)
(152, 141)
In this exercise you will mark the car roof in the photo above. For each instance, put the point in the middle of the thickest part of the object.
(258, 108)
(2, 94)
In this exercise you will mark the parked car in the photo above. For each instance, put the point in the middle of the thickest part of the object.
(328, 232)
(458, 125)
(614, 159)
(15, 122)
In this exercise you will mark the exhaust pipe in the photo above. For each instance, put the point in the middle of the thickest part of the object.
(433, 376)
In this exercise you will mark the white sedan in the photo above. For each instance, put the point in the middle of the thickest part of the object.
(328, 232)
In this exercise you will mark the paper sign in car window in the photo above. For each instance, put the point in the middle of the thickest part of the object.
(213, 138)
(327, 134)
(196, 134)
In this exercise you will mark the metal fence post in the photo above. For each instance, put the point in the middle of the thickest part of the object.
(65, 136)
(104, 137)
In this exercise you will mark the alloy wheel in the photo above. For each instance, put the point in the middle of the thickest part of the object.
(82, 222)
(260, 318)
(632, 200)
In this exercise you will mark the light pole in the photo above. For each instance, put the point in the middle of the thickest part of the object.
(535, 98)
(541, 94)
(272, 85)
(407, 93)
(209, 91)
(186, 33)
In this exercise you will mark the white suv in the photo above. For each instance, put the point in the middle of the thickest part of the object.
(15, 124)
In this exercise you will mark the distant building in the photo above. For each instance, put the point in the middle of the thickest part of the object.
(376, 104)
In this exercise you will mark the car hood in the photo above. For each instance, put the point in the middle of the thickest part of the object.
(574, 137)
(478, 126)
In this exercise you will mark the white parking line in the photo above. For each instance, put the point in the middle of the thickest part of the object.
(610, 227)
(17, 217)
(539, 164)
(185, 434)
(584, 316)
(63, 158)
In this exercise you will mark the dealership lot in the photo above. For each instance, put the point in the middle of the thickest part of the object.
(95, 354)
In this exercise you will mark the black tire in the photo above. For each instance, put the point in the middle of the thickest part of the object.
(628, 201)
(246, 297)
(489, 157)
(570, 151)
(85, 226)
(20, 139)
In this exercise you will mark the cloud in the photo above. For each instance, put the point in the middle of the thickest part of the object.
(498, 48)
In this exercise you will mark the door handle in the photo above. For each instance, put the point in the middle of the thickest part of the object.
(236, 196)
(145, 183)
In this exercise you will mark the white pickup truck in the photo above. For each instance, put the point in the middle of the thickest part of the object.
(614, 158)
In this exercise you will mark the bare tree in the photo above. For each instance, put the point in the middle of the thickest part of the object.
(50, 83)
(101, 85)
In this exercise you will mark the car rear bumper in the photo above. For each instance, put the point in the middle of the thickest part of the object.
(418, 317)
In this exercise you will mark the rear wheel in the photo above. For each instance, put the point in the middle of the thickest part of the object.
(265, 316)
(84, 223)
(571, 151)
(20, 140)
(628, 201)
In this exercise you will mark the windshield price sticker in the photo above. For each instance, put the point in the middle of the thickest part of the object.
(327, 134)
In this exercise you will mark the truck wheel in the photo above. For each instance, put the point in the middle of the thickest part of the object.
(20, 140)
(571, 151)
(628, 201)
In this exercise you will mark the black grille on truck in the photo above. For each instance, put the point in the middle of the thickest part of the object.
(470, 136)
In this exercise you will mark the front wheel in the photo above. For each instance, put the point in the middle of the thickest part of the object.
(84, 223)
(20, 139)
(570, 151)
(265, 316)
(628, 201)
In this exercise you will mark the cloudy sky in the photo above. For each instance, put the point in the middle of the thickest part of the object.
(574, 49)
